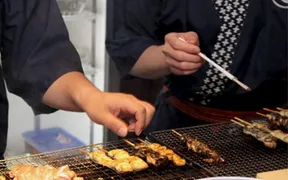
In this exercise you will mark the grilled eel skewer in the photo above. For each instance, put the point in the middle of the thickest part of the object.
(164, 151)
(255, 131)
(276, 121)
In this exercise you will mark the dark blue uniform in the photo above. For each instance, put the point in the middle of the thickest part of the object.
(35, 50)
(259, 57)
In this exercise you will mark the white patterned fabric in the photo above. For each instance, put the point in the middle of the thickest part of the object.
(232, 14)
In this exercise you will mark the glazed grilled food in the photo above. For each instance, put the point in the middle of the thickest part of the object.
(152, 157)
(2, 178)
(164, 151)
(30, 172)
(278, 121)
(119, 160)
(275, 133)
(210, 155)
(262, 136)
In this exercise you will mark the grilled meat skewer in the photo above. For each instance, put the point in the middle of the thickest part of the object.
(276, 121)
(211, 156)
(2, 178)
(257, 131)
(164, 151)
(152, 157)
(30, 172)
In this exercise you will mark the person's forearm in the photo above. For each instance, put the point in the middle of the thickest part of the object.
(68, 91)
(151, 64)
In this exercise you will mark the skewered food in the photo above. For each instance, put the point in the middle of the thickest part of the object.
(276, 121)
(268, 140)
(119, 160)
(258, 131)
(152, 157)
(210, 155)
(30, 172)
(2, 178)
(164, 151)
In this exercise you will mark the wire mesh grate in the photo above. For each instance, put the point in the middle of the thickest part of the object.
(244, 155)
(86, 168)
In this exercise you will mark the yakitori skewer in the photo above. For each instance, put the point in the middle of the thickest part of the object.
(210, 155)
(276, 121)
(164, 151)
(275, 133)
(263, 136)
(151, 157)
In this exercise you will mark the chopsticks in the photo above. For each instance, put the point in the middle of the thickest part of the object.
(226, 73)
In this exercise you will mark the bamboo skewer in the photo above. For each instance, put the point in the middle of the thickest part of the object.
(281, 109)
(177, 133)
(270, 110)
(222, 70)
(238, 123)
(130, 143)
(243, 121)
(264, 115)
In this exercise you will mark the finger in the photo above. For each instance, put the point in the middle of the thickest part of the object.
(134, 107)
(181, 55)
(132, 124)
(183, 65)
(180, 72)
(150, 110)
(114, 124)
(178, 44)
(191, 38)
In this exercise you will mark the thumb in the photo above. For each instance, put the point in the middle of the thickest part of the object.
(115, 124)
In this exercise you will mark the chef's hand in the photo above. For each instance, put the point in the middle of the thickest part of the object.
(110, 110)
(74, 92)
(182, 57)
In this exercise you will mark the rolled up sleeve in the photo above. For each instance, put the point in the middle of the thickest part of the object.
(132, 28)
(36, 49)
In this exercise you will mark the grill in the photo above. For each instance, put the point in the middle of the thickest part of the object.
(86, 168)
(244, 155)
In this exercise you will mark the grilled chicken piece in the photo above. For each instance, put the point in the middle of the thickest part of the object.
(30, 172)
(262, 136)
(164, 151)
(210, 155)
(2, 178)
(151, 156)
(278, 122)
(276, 133)
(284, 113)
(118, 154)
(122, 162)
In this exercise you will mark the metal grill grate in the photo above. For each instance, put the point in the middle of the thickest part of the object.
(244, 155)
(86, 168)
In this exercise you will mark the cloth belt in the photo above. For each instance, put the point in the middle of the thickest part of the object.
(209, 114)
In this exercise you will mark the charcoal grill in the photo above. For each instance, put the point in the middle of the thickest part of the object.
(84, 167)
(244, 155)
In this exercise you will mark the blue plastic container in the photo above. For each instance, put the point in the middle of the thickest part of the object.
(52, 139)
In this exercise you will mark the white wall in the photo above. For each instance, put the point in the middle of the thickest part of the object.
(21, 118)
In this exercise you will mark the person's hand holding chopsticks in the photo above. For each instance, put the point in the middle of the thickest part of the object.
(182, 58)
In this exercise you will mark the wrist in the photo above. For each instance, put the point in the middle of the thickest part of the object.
(82, 91)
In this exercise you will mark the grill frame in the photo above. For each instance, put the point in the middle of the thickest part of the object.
(226, 137)
(84, 167)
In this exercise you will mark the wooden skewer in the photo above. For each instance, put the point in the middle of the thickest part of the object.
(100, 149)
(270, 110)
(264, 115)
(238, 123)
(176, 133)
(130, 143)
(143, 141)
(281, 109)
(85, 152)
(243, 121)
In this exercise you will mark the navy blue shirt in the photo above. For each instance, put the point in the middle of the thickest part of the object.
(260, 59)
(35, 50)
